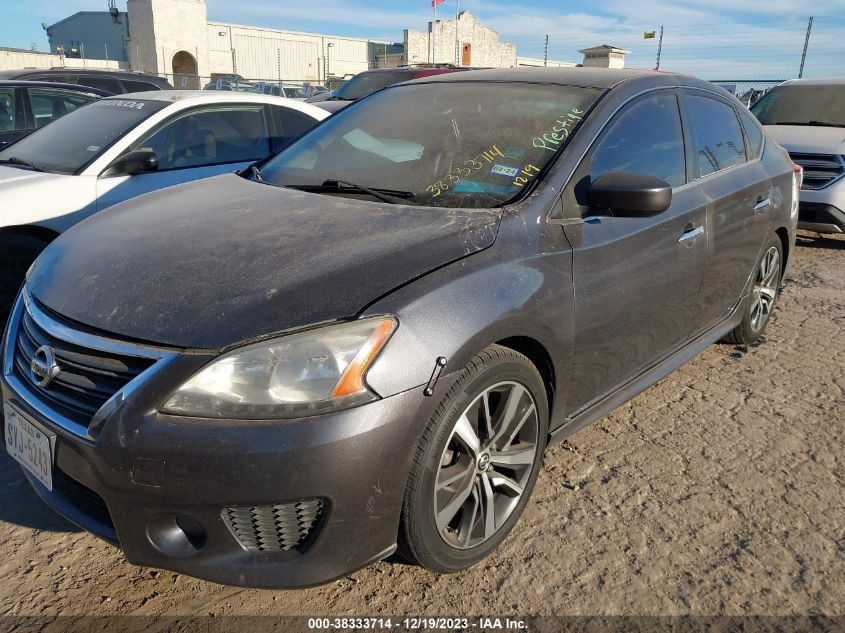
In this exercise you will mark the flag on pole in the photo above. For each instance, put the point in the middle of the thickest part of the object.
(649, 35)
(435, 3)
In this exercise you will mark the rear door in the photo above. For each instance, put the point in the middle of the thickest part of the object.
(197, 143)
(636, 279)
(739, 202)
(46, 104)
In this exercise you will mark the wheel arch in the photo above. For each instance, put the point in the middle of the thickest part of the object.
(32, 230)
(783, 234)
(539, 356)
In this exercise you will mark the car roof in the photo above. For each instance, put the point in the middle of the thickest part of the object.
(604, 78)
(129, 75)
(221, 96)
(55, 85)
(830, 81)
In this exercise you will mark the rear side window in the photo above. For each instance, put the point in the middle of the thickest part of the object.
(718, 138)
(645, 138)
(7, 109)
(137, 86)
(290, 125)
(753, 134)
(103, 83)
(49, 105)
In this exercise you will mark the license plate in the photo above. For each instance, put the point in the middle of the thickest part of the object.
(29, 445)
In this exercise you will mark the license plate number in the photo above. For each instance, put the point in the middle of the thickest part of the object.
(29, 445)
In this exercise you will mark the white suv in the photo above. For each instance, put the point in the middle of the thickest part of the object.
(807, 117)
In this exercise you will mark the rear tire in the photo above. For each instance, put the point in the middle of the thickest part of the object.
(17, 252)
(476, 463)
(763, 296)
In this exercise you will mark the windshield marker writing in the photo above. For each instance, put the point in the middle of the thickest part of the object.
(560, 132)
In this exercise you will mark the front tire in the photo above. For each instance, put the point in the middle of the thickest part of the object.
(476, 462)
(763, 297)
(17, 252)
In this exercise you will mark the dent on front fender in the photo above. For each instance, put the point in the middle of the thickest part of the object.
(520, 286)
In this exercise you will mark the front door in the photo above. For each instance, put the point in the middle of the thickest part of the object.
(198, 143)
(636, 279)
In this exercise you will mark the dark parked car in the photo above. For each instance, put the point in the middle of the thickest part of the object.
(369, 81)
(111, 81)
(26, 106)
(368, 341)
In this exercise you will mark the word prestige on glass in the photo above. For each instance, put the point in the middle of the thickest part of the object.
(560, 132)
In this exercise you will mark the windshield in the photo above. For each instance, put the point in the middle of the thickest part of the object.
(802, 105)
(367, 83)
(463, 144)
(68, 144)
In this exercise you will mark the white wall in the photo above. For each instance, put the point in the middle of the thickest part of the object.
(17, 60)
(269, 54)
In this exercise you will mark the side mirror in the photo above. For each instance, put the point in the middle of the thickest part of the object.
(629, 195)
(140, 161)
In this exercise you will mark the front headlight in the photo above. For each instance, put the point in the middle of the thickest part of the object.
(297, 375)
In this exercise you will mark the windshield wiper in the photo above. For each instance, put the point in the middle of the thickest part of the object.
(14, 160)
(811, 123)
(385, 195)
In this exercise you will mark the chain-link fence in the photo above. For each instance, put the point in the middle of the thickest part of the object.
(747, 90)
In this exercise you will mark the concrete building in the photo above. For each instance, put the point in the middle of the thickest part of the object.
(464, 42)
(90, 34)
(604, 56)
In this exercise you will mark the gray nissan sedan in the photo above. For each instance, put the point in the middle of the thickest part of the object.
(367, 342)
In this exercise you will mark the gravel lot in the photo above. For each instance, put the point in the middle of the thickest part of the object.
(721, 490)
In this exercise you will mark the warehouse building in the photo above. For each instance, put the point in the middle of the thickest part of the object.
(173, 38)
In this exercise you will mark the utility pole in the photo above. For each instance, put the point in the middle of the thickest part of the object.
(457, 39)
(806, 44)
(659, 48)
(546, 53)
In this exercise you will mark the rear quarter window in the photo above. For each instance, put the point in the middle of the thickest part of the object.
(753, 134)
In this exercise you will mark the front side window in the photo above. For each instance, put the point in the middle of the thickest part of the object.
(802, 104)
(646, 138)
(49, 105)
(73, 141)
(229, 134)
(7, 110)
(718, 138)
(464, 144)
(290, 124)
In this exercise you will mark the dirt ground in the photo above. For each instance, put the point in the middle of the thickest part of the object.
(721, 490)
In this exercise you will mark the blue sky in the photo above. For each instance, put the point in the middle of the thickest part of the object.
(716, 39)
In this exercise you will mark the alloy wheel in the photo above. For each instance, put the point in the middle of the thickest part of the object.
(765, 289)
(486, 465)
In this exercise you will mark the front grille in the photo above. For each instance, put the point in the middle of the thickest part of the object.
(88, 377)
(820, 170)
(281, 527)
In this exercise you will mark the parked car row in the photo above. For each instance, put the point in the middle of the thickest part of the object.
(122, 147)
(364, 342)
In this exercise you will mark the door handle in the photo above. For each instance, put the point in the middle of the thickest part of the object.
(691, 233)
(762, 203)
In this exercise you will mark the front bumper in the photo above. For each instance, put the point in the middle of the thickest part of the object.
(820, 217)
(157, 485)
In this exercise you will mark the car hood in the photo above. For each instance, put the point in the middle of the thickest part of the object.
(333, 105)
(27, 197)
(217, 262)
(808, 139)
